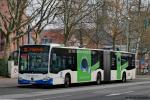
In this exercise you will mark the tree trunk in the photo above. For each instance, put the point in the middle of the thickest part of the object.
(36, 38)
(97, 45)
(66, 33)
(65, 40)
(114, 42)
(81, 39)
(18, 44)
(7, 49)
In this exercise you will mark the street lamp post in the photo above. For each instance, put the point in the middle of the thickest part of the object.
(127, 33)
(28, 34)
(127, 30)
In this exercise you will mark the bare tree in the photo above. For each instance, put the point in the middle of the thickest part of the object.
(107, 22)
(97, 21)
(71, 13)
(45, 17)
(13, 22)
(17, 20)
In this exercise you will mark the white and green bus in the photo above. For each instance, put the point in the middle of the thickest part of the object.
(56, 64)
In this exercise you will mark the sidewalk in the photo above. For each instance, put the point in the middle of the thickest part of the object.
(142, 76)
(8, 82)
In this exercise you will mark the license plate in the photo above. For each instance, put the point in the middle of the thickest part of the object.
(32, 82)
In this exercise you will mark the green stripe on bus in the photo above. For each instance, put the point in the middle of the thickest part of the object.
(119, 66)
(83, 65)
(95, 66)
(118, 54)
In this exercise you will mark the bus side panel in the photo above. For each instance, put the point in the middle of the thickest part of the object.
(116, 67)
(131, 74)
(96, 64)
(83, 65)
(89, 63)
(65, 63)
(59, 78)
(113, 66)
(120, 63)
(94, 74)
(131, 70)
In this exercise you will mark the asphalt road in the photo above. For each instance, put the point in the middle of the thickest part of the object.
(138, 89)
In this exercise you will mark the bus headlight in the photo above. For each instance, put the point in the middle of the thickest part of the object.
(20, 78)
(46, 78)
(61, 74)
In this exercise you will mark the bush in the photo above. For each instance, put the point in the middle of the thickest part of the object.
(3, 68)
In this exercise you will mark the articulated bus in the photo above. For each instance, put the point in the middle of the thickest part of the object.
(56, 64)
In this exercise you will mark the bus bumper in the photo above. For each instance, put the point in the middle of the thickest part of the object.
(38, 82)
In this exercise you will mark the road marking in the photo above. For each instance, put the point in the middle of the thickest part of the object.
(114, 94)
(7, 99)
(56, 97)
(69, 90)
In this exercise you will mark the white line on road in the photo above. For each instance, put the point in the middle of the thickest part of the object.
(69, 90)
(56, 97)
(114, 94)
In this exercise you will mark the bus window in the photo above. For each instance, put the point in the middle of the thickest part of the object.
(113, 58)
(23, 63)
(65, 59)
(54, 57)
(124, 58)
(70, 61)
(56, 63)
(94, 57)
(131, 62)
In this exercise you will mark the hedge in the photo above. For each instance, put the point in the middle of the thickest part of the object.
(3, 68)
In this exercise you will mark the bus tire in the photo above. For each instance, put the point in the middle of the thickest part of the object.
(124, 78)
(98, 78)
(67, 81)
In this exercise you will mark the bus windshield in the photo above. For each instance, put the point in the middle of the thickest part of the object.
(34, 60)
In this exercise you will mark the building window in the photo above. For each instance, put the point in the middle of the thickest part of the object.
(45, 40)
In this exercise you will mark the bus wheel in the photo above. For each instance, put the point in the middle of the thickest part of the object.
(124, 78)
(98, 79)
(67, 81)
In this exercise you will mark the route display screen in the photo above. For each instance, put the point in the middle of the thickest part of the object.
(35, 49)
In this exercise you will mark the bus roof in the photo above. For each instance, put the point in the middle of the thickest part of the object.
(89, 49)
(54, 45)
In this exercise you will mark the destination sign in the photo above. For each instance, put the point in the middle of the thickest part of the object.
(35, 49)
